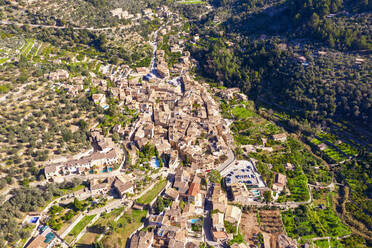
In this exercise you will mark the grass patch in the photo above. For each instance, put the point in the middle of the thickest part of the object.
(333, 154)
(46, 52)
(79, 227)
(104, 220)
(28, 47)
(74, 189)
(242, 113)
(321, 243)
(87, 240)
(125, 226)
(152, 193)
(345, 149)
(3, 60)
(315, 141)
(66, 224)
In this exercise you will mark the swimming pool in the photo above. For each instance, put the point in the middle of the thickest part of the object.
(193, 221)
(106, 170)
(256, 192)
(34, 220)
(155, 163)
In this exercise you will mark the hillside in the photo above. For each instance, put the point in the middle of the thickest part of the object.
(306, 64)
(265, 103)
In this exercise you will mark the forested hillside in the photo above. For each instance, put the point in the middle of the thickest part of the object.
(310, 62)
(291, 52)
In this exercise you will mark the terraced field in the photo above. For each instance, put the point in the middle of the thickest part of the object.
(337, 150)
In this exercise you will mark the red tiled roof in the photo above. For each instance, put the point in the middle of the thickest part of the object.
(219, 235)
(194, 189)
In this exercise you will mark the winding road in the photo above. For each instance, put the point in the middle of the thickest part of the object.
(229, 161)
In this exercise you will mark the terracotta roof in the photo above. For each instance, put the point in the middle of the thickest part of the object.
(194, 189)
(38, 242)
(219, 235)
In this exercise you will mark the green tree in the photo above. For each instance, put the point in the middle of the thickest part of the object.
(159, 205)
(98, 244)
(26, 182)
(83, 124)
(77, 204)
(267, 196)
(314, 21)
(214, 176)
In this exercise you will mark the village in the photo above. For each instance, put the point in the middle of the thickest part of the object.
(161, 169)
(181, 120)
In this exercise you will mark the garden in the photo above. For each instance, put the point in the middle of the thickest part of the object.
(62, 215)
(337, 150)
(307, 223)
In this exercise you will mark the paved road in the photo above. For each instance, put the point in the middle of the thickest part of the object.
(117, 203)
(64, 234)
(229, 161)
(207, 225)
(207, 230)
(78, 237)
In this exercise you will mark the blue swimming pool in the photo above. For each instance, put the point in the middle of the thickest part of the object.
(106, 170)
(157, 164)
(193, 221)
(34, 220)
